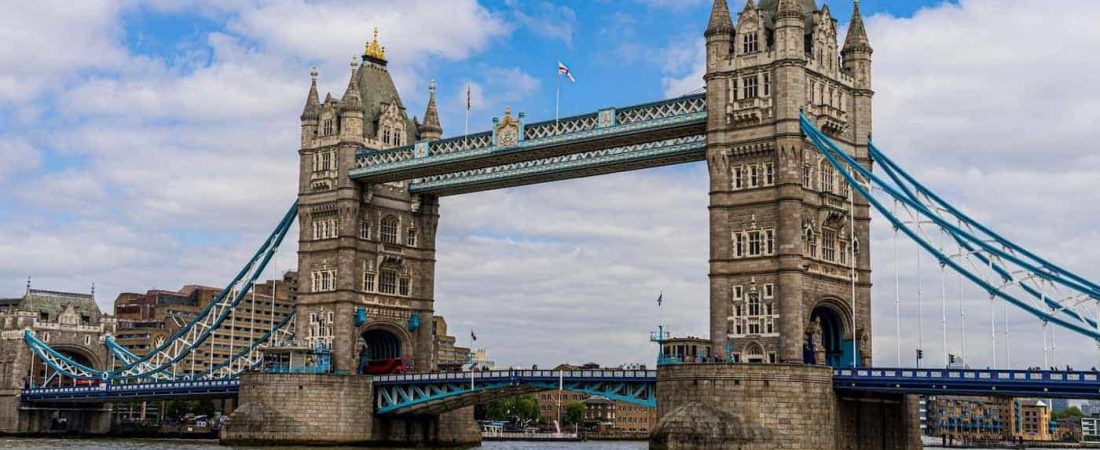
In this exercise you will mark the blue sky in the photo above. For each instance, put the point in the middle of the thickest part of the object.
(152, 145)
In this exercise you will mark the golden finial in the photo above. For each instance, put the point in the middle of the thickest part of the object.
(374, 50)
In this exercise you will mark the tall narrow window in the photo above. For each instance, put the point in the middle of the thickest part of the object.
(739, 245)
(388, 230)
(828, 244)
(754, 304)
(328, 128)
(386, 135)
(750, 43)
(807, 176)
(750, 87)
(754, 243)
(769, 292)
(364, 229)
(754, 175)
(368, 282)
(769, 242)
(738, 177)
(738, 295)
(326, 161)
(410, 237)
(769, 174)
(403, 286)
(828, 178)
(767, 84)
(387, 282)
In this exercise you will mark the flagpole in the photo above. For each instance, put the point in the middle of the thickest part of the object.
(557, 97)
(466, 131)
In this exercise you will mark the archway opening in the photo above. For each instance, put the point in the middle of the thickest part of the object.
(754, 353)
(381, 352)
(45, 376)
(829, 328)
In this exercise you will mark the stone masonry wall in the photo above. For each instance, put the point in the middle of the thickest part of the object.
(744, 407)
(301, 409)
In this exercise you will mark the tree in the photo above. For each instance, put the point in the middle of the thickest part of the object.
(574, 413)
(1068, 413)
(523, 409)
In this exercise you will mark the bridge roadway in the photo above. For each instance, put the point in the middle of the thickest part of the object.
(610, 140)
(439, 392)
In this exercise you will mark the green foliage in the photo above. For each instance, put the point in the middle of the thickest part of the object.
(524, 409)
(574, 413)
(1068, 413)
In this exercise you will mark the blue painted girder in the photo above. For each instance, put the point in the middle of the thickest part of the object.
(1006, 383)
(108, 392)
(433, 393)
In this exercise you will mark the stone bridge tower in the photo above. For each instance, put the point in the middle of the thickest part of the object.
(366, 251)
(782, 247)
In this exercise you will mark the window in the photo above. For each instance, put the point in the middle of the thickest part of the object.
(389, 230)
(386, 135)
(738, 295)
(807, 176)
(410, 237)
(323, 281)
(828, 244)
(843, 253)
(769, 242)
(388, 281)
(754, 243)
(364, 229)
(328, 129)
(739, 245)
(398, 133)
(754, 176)
(326, 228)
(735, 95)
(810, 244)
(769, 292)
(749, 90)
(738, 177)
(754, 304)
(767, 84)
(368, 282)
(403, 286)
(769, 174)
(326, 161)
(828, 177)
(750, 43)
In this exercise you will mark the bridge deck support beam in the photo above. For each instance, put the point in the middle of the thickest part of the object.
(773, 406)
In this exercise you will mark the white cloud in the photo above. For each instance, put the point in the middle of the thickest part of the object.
(548, 20)
(17, 156)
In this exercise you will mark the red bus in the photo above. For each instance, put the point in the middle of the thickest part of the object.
(388, 365)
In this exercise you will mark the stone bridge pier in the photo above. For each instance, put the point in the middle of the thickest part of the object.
(292, 409)
(757, 407)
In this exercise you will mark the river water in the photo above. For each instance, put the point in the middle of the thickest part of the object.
(168, 444)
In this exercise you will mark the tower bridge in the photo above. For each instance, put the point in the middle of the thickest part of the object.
(784, 127)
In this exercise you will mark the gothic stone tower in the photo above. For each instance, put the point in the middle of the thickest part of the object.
(366, 251)
(782, 253)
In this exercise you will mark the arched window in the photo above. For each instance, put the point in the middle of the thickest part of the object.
(386, 135)
(388, 280)
(397, 136)
(388, 230)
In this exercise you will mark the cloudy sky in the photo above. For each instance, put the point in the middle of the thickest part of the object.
(153, 144)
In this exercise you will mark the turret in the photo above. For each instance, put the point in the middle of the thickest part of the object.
(311, 113)
(351, 108)
(431, 130)
(790, 30)
(857, 50)
(719, 36)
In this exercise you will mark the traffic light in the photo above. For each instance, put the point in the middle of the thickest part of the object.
(920, 354)
(951, 358)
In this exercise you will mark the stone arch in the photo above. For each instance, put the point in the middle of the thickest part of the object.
(382, 341)
(754, 353)
(829, 332)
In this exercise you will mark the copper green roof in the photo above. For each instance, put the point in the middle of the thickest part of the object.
(53, 303)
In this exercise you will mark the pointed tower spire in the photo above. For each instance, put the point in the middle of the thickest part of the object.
(431, 130)
(720, 21)
(312, 110)
(352, 101)
(857, 34)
